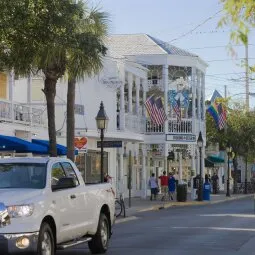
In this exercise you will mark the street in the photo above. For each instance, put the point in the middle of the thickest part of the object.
(226, 228)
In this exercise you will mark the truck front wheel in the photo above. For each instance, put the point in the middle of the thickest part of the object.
(100, 241)
(46, 240)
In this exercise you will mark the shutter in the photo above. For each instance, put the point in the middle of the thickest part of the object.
(3, 85)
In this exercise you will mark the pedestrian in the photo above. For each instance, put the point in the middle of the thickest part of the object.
(164, 185)
(215, 179)
(176, 177)
(153, 186)
(171, 186)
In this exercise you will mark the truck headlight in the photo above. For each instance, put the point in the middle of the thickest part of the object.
(16, 211)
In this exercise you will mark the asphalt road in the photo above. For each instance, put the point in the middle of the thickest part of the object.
(227, 228)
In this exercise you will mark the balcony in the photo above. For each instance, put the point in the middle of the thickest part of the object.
(182, 127)
(21, 114)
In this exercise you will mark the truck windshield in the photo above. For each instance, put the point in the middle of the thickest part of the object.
(22, 175)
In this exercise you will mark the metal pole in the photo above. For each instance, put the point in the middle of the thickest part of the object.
(247, 77)
(200, 195)
(102, 155)
(129, 180)
(246, 171)
(228, 193)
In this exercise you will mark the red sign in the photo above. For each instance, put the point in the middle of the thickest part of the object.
(80, 143)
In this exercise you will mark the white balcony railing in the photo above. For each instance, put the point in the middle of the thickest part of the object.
(183, 126)
(21, 114)
(152, 128)
(156, 83)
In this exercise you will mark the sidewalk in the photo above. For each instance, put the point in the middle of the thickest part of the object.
(142, 205)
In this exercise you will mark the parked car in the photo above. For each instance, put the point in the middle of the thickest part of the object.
(46, 206)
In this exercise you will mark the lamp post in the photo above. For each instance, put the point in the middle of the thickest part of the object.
(200, 145)
(229, 153)
(170, 157)
(102, 122)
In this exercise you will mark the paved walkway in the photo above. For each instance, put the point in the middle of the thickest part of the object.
(142, 205)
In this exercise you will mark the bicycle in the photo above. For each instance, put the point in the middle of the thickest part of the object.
(120, 207)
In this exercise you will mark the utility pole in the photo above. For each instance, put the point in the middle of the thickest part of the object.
(247, 101)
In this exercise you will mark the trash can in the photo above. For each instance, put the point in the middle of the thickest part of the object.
(207, 191)
(182, 192)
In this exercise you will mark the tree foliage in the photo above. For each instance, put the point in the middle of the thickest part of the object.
(53, 36)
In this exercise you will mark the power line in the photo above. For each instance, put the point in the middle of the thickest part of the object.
(196, 27)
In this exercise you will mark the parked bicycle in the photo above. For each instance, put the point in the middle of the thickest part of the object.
(120, 207)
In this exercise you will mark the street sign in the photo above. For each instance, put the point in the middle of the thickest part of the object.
(186, 138)
(110, 144)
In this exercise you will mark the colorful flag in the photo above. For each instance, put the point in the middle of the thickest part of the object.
(222, 116)
(177, 109)
(160, 115)
(213, 111)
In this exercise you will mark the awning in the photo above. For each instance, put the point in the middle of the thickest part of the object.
(208, 163)
(61, 149)
(215, 159)
(12, 143)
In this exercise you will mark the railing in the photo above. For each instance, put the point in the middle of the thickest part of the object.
(21, 113)
(135, 123)
(183, 126)
(156, 82)
(152, 128)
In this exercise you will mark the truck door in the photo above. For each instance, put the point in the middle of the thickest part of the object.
(79, 203)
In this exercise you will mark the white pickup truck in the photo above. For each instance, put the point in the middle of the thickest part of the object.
(45, 206)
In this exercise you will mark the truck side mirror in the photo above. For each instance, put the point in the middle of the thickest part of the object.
(64, 183)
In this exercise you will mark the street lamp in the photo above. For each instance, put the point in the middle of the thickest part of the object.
(170, 157)
(229, 153)
(102, 122)
(200, 145)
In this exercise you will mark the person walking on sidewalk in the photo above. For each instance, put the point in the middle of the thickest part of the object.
(171, 186)
(153, 186)
(164, 185)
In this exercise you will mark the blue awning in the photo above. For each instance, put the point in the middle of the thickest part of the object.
(12, 143)
(61, 149)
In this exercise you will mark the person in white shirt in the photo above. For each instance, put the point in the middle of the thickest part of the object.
(153, 186)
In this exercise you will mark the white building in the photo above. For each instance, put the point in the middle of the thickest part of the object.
(136, 67)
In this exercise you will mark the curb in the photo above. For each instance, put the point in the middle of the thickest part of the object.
(129, 218)
(192, 203)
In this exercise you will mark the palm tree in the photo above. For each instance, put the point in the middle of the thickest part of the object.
(37, 39)
(84, 58)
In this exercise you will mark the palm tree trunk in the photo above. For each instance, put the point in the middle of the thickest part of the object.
(50, 93)
(70, 121)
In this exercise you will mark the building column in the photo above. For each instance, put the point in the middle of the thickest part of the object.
(180, 166)
(144, 96)
(165, 82)
(130, 87)
(199, 87)
(137, 101)
(121, 172)
(11, 84)
(193, 84)
(144, 172)
(29, 96)
(122, 105)
(193, 160)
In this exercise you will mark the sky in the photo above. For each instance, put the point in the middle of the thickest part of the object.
(172, 21)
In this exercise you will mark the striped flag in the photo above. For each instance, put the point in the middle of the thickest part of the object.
(149, 104)
(177, 109)
(222, 116)
(160, 115)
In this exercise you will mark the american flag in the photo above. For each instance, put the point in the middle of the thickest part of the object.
(177, 108)
(149, 104)
(160, 115)
(222, 116)
(155, 110)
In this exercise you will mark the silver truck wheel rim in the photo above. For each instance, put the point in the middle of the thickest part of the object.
(46, 244)
(104, 233)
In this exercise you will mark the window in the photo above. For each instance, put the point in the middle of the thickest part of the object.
(56, 173)
(22, 175)
(70, 171)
